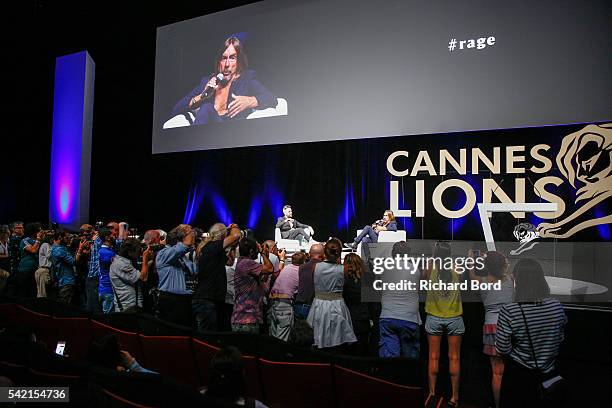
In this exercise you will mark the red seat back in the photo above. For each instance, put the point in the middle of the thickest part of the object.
(203, 353)
(129, 340)
(254, 386)
(297, 384)
(116, 401)
(76, 331)
(353, 388)
(171, 356)
(39, 322)
(8, 314)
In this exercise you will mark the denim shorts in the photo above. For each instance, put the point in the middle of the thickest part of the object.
(437, 326)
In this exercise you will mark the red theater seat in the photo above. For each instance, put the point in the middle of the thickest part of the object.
(171, 356)
(40, 378)
(116, 401)
(19, 374)
(8, 314)
(40, 323)
(129, 340)
(353, 388)
(204, 353)
(297, 384)
(254, 386)
(76, 331)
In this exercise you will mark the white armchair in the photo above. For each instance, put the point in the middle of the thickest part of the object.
(186, 119)
(291, 245)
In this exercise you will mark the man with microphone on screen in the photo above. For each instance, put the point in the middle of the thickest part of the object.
(231, 92)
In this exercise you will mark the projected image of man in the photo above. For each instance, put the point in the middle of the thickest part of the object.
(231, 92)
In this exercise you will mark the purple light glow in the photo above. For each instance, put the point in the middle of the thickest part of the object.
(64, 200)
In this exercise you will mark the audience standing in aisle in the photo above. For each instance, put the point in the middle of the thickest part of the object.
(175, 271)
(359, 311)
(444, 317)
(496, 269)
(400, 319)
(5, 258)
(282, 295)
(42, 275)
(106, 254)
(209, 296)
(328, 315)
(28, 261)
(530, 331)
(248, 286)
(306, 292)
(125, 278)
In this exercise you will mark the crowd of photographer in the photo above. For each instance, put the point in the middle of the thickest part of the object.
(225, 280)
(222, 280)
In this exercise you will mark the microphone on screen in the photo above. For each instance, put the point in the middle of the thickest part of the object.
(211, 90)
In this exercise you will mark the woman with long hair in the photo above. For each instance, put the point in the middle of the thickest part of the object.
(444, 317)
(530, 331)
(329, 316)
(369, 233)
(496, 268)
(360, 315)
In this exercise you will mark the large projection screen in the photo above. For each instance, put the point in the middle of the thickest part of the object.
(349, 69)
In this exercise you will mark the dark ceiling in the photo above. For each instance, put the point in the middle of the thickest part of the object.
(120, 37)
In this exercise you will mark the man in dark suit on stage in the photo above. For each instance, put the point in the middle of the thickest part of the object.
(291, 228)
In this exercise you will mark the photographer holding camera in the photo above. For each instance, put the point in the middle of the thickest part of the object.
(106, 254)
(152, 240)
(42, 274)
(175, 272)
(62, 262)
(125, 278)
(209, 295)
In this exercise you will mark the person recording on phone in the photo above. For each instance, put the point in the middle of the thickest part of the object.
(231, 92)
(370, 232)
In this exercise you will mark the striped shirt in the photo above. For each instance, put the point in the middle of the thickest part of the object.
(546, 321)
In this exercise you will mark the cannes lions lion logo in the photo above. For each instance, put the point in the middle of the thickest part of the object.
(585, 160)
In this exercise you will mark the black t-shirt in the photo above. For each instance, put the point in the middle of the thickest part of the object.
(212, 280)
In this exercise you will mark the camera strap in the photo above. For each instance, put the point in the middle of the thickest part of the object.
(191, 280)
(119, 305)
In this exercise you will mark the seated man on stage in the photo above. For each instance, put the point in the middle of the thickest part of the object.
(370, 232)
(291, 228)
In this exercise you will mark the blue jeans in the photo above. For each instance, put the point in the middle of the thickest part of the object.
(91, 294)
(301, 310)
(367, 235)
(399, 338)
(107, 301)
(205, 314)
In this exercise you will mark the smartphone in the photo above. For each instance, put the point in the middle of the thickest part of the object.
(59, 349)
(476, 253)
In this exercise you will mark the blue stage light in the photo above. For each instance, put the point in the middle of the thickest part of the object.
(221, 209)
(254, 212)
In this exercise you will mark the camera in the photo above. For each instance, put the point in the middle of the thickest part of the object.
(247, 233)
(155, 247)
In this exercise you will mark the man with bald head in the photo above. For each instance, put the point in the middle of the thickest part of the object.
(306, 291)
